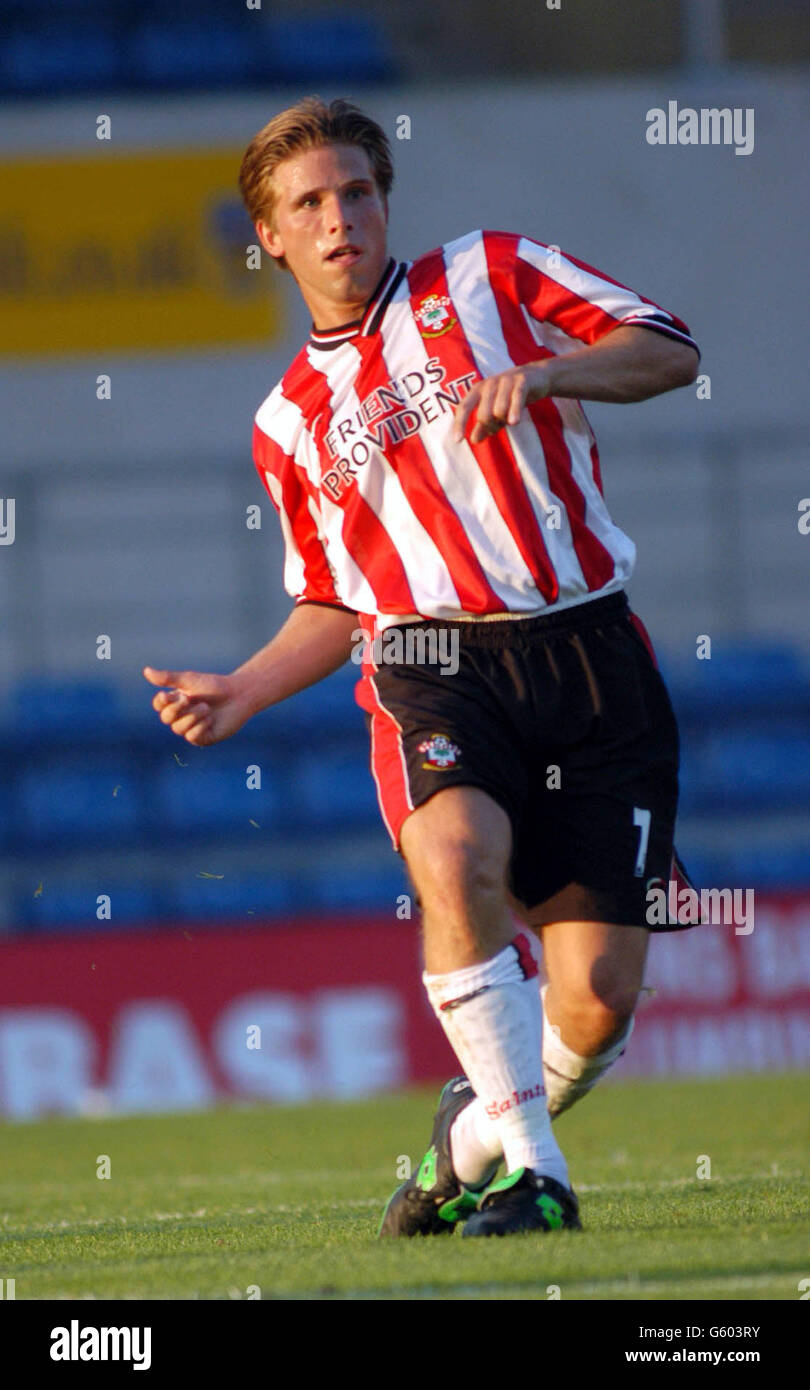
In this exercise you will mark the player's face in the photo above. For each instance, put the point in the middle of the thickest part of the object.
(329, 223)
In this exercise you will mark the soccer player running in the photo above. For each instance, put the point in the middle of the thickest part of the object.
(433, 467)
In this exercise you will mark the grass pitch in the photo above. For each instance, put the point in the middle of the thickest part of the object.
(283, 1203)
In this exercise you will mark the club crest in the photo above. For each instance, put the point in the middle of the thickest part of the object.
(434, 317)
(439, 753)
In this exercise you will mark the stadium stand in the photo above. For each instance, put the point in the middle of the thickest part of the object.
(82, 46)
(118, 784)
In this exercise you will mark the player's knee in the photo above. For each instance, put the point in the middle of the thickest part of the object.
(460, 874)
(597, 1019)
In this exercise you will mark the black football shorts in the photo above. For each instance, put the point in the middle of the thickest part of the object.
(565, 721)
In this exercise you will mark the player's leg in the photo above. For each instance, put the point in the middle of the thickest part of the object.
(595, 971)
(611, 814)
(481, 979)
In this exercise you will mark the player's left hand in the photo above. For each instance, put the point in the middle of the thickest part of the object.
(500, 400)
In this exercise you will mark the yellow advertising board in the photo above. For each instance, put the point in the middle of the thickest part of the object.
(130, 252)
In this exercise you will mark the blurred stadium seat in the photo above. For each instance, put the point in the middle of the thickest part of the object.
(335, 791)
(55, 57)
(232, 895)
(778, 867)
(43, 710)
(330, 44)
(744, 770)
(741, 678)
(83, 45)
(85, 772)
(87, 803)
(215, 796)
(363, 887)
(194, 52)
(324, 711)
(73, 906)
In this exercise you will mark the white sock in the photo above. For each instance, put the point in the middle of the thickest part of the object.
(568, 1076)
(475, 1149)
(493, 1017)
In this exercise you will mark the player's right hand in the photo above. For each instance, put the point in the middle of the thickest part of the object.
(201, 708)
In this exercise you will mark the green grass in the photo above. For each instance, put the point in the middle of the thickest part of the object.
(289, 1200)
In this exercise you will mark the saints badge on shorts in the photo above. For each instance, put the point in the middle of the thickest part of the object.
(434, 317)
(439, 753)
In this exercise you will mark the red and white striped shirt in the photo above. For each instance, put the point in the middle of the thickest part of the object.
(382, 511)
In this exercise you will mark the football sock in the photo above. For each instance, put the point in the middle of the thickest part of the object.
(568, 1076)
(493, 1018)
(475, 1149)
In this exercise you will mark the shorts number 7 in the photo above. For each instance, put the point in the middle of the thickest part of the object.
(642, 819)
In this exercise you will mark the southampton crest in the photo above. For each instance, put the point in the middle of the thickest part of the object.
(439, 753)
(433, 315)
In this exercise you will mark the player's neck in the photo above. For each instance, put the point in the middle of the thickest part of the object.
(330, 313)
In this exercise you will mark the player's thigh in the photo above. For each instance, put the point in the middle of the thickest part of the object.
(593, 966)
(595, 837)
(457, 847)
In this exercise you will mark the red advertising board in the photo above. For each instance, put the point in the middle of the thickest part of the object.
(181, 1017)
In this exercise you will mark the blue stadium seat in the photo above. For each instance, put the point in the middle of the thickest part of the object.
(250, 896)
(214, 797)
(324, 711)
(335, 790)
(746, 771)
(197, 51)
(60, 801)
(72, 907)
(57, 58)
(372, 887)
(44, 709)
(739, 678)
(761, 866)
(338, 44)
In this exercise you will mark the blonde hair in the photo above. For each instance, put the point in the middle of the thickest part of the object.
(309, 125)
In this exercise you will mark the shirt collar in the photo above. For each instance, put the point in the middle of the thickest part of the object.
(370, 319)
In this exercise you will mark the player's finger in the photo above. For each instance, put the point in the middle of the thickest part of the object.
(165, 697)
(520, 390)
(463, 412)
(184, 678)
(488, 419)
(187, 721)
(483, 415)
(157, 677)
(200, 734)
(184, 713)
(502, 399)
(175, 703)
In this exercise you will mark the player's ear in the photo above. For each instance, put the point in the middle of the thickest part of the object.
(269, 238)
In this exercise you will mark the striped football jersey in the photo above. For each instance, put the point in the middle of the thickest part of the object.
(381, 510)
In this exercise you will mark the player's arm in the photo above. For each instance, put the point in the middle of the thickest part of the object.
(631, 363)
(205, 708)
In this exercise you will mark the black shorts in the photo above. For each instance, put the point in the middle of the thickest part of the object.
(566, 723)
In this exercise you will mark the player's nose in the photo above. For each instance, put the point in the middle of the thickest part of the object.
(339, 215)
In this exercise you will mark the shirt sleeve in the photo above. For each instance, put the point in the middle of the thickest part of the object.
(308, 575)
(579, 304)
